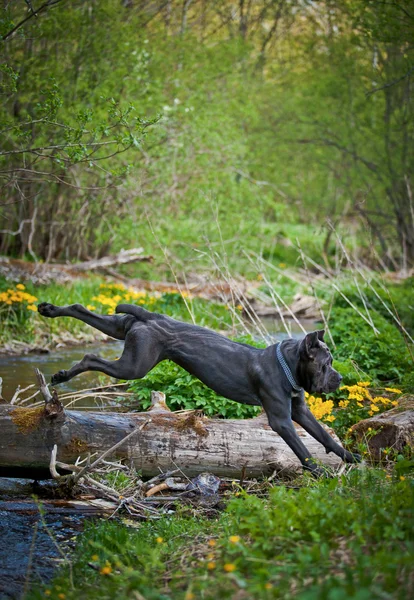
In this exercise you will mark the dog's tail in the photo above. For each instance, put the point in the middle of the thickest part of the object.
(137, 311)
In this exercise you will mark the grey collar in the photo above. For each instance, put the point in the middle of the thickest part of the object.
(286, 369)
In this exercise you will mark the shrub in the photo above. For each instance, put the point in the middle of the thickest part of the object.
(384, 356)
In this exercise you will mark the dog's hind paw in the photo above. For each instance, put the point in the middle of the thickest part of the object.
(59, 377)
(47, 310)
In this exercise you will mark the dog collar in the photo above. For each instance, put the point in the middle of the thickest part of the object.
(286, 369)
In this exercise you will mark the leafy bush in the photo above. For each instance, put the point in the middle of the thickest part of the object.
(384, 357)
(398, 297)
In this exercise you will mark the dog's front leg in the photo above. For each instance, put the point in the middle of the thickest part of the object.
(303, 416)
(278, 414)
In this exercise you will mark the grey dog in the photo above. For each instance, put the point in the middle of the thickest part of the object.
(274, 378)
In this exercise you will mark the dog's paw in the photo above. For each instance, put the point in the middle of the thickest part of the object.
(316, 471)
(59, 377)
(47, 310)
(351, 457)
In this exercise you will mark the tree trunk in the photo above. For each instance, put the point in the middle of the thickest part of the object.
(391, 429)
(163, 440)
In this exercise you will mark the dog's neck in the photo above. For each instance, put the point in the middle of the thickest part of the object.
(287, 354)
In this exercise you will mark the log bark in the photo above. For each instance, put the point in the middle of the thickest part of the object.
(162, 440)
(391, 429)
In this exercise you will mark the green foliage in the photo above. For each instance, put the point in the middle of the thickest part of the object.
(384, 356)
(222, 168)
(395, 298)
(342, 538)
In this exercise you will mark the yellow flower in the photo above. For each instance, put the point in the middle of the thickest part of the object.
(229, 567)
(106, 570)
(259, 277)
(268, 586)
(48, 592)
(211, 542)
(394, 402)
(20, 286)
(330, 418)
(393, 390)
(239, 307)
(95, 557)
(31, 307)
(210, 556)
(374, 408)
(402, 478)
(211, 565)
(363, 383)
(159, 540)
(344, 403)
(61, 596)
(234, 539)
(189, 596)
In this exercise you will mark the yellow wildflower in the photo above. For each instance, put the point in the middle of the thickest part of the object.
(211, 542)
(234, 539)
(268, 586)
(330, 418)
(343, 403)
(95, 557)
(211, 565)
(363, 383)
(229, 567)
(402, 478)
(393, 390)
(159, 540)
(374, 408)
(20, 286)
(31, 307)
(106, 570)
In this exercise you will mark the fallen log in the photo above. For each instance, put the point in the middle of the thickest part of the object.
(153, 441)
(391, 429)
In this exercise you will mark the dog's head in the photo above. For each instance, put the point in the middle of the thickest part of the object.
(314, 370)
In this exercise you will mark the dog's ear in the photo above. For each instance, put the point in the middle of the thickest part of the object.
(321, 333)
(310, 341)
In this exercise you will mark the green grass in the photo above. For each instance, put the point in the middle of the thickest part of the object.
(331, 539)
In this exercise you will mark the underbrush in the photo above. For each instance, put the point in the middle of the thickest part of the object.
(348, 537)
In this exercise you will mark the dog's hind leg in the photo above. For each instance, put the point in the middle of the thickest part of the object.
(114, 325)
(140, 355)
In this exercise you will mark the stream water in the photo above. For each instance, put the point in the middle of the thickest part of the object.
(27, 550)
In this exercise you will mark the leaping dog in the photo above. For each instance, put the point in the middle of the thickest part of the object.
(274, 378)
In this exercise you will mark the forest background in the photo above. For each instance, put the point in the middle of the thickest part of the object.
(261, 140)
(251, 122)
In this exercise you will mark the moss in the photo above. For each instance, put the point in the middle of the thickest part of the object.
(27, 419)
(77, 446)
(193, 421)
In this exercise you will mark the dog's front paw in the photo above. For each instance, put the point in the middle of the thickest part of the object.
(315, 470)
(351, 457)
(59, 377)
(47, 310)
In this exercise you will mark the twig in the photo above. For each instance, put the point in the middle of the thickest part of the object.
(107, 452)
